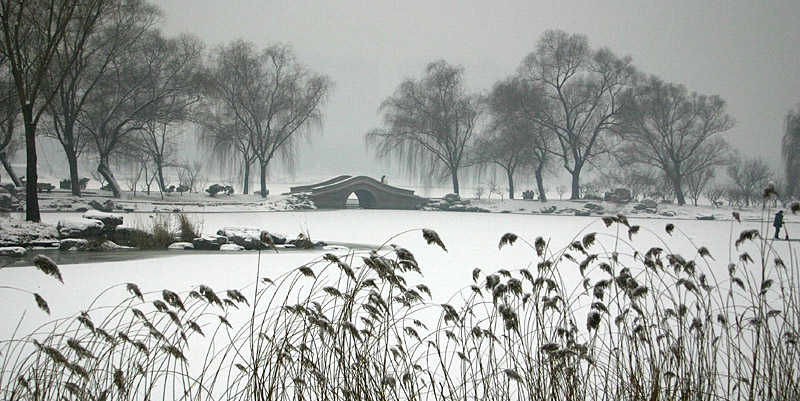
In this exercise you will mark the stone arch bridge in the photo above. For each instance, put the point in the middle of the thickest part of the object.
(371, 193)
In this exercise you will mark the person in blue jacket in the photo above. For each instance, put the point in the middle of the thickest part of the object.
(778, 223)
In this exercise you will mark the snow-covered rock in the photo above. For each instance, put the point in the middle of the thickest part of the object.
(181, 246)
(15, 232)
(110, 221)
(249, 237)
(74, 244)
(208, 243)
(649, 203)
(79, 228)
(107, 206)
(231, 247)
(13, 251)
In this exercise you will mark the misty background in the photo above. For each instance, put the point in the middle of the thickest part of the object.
(745, 52)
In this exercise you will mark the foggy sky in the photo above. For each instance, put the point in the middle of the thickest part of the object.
(746, 52)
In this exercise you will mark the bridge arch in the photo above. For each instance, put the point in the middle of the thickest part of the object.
(366, 200)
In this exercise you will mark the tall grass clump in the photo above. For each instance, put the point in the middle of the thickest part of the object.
(600, 318)
(162, 230)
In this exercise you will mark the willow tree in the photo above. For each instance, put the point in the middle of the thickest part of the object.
(155, 81)
(263, 102)
(514, 140)
(583, 86)
(673, 130)
(791, 152)
(31, 32)
(85, 67)
(429, 123)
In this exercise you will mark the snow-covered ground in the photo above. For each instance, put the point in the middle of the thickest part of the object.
(471, 240)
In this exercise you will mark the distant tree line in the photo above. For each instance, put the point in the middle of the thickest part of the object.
(580, 108)
(99, 77)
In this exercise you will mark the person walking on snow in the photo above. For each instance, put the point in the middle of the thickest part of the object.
(778, 223)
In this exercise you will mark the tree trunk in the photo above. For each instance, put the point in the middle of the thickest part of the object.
(576, 184)
(540, 185)
(676, 186)
(263, 180)
(454, 173)
(160, 171)
(72, 160)
(31, 175)
(9, 169)
(105, 171)
(246, 177)
(510, 175)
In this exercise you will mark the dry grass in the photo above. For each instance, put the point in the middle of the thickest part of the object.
(642, 324)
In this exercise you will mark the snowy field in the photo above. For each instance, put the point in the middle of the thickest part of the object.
(471, 239)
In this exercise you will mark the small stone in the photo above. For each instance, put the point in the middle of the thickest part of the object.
(13, 251)
(181, 246)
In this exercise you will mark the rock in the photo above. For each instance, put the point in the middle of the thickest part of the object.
(81, 209)
(593, 206)
(128, 209)
(80, 244)
(74, 244)
(667, 213)
(505, 211)
(451, 198)
(247, 237)
(13, 251)
(611, 197)
(709, 217)
(593, 197)
(624, 194)
(110, 221)
(206, 243)
(181, 246)
(583, 212)
(639, 206)
(547, 209)
(107, 206)
(472, 209)
(458, 208)
(79, 228)
(278, 239)
(118, 207)
(129, 236)
(649, 203)
(651, 210)
(231, 247)
(444, 206)
(304, 242)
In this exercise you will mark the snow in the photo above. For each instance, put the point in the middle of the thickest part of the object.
(231, 247)
(75, 227)
(15, 232)
(182, 246)
(98, 215)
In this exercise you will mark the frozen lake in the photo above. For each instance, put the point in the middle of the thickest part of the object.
(471, 239)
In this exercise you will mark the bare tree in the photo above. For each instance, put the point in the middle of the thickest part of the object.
(561, 190)
(121, 26)
(189, 174)
(696, 183)
(714, 193)
(429, 123)
(791, 152)
(514, 140)
(749, 177)
(142, 88)
(263, 102)
(31, 33)
(667, 127)
(583, 87)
